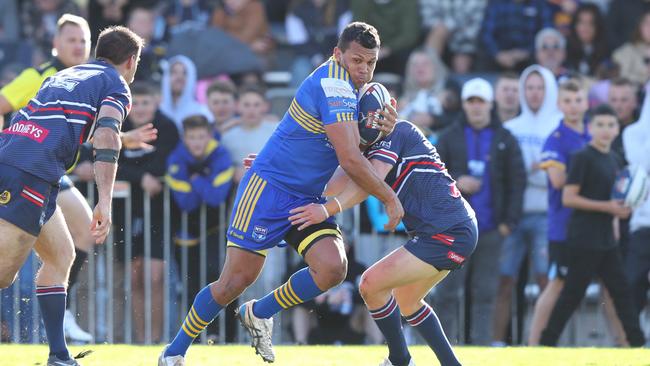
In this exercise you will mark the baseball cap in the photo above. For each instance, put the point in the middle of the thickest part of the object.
(479, 88)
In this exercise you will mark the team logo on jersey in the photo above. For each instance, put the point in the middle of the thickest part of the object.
(29, 130)
(5, 197)
(259, 233)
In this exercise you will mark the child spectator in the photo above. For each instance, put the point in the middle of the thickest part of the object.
(591, 246)
(222, 103)
(251, 129)
(199, 172)
(143, 168)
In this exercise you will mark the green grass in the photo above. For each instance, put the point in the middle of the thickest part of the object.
(111, 355)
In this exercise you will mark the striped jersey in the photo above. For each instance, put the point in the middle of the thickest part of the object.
(298, 158)
(431, 201)
(44, 137)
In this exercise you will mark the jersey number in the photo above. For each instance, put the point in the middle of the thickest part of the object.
(70, 78)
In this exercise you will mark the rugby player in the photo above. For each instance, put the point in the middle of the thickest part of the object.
(42, 142)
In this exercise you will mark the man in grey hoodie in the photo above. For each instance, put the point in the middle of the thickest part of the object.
(539, 117)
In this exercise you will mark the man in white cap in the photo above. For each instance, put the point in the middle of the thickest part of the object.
(486, 162)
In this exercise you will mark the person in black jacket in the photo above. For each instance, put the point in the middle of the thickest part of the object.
(486, 162)
(143, 169)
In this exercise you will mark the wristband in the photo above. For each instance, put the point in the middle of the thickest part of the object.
(338, 203)
(327, 215)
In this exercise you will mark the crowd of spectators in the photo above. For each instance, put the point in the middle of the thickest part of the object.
(204, 83)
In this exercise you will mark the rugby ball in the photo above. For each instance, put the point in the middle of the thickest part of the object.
(372, 98)
(631, 187)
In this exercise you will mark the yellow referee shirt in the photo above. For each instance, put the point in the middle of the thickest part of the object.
(26, 85)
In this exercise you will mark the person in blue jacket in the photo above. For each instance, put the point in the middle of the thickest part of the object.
(199, 171)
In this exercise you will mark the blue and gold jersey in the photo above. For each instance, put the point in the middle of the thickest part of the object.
(298, 158)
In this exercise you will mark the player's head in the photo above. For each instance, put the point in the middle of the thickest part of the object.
(145, 103)
(603, 126)
(222, 100)
(622, 98)
(121, 47)
(252, 106)
(197, 133)
(534, 91)
(71, 43)
(477, 97)
(572, 100)
(357, 51)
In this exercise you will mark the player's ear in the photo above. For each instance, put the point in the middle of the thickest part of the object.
(338, 54)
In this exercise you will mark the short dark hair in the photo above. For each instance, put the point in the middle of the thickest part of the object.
(252, 89)
(623, 81)
(602, 110)
(363, 33)
(196, 121)
(117, 44)
(508, 75)
(222, 86)
(572, 85)
(143, 88)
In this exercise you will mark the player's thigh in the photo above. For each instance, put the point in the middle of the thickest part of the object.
(54, 245)
(15, 245)
(397, 269)
(78, 216)
(241, 267)
(409, 296)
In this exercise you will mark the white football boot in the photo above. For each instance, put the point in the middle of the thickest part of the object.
(260, 330)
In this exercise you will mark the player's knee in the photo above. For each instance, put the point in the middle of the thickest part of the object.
(367, 286)
(331, 273)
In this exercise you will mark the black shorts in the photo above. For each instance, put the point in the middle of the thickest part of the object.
(558, 259)
(303, 240)
(26, 200)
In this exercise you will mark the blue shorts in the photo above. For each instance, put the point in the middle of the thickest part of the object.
(65, 183)
(25, 200)
(260, 217)
(448, 249)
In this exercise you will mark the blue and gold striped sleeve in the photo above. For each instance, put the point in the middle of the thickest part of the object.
(335, 97)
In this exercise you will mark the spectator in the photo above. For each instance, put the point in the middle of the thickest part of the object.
(563, 11)
(486, 162)
(622, 20)
(453, 26)
(251, 129)
(330, 317)
(222, 103)
(9, 21)
(246, 21)
(509, 29)
(591, 247)
(312, 28)
(398, 23)
(637, 153)
(539, 116)
(550, 51)
(199, 172)
(182, 15)
(142, 21)
(178, 84)
(587, 47)
(39, 23)
(633, 57)
(143, 169)
(506, 96)
(622, 97)
(569, 136)
(423, 85)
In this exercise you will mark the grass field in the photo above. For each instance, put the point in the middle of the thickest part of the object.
(111, 355)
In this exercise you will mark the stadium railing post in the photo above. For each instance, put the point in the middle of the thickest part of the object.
(16, 310)
(203, 254)
(147, 268)
(222, 258)
(166, 262)
(92, 291)
(184, 265)
(128, 249)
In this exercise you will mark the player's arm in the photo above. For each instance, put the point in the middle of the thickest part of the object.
(350, 196)
(345, 139)
(337, 183)
(106, 147)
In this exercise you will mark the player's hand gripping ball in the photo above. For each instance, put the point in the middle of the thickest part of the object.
(372, 97)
